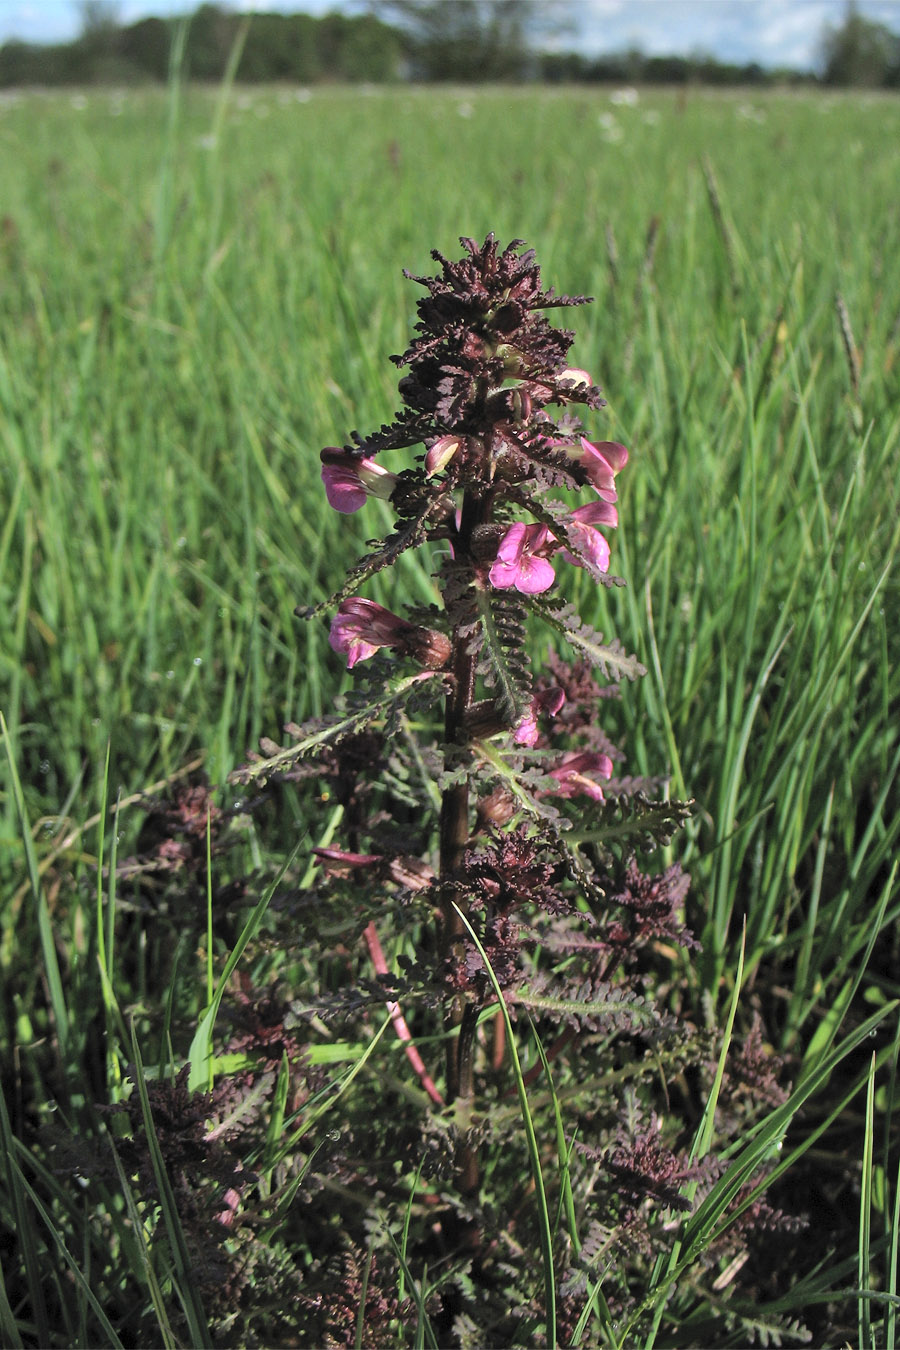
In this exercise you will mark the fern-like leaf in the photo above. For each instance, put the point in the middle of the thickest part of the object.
(610, 658)
(503, 628)
(634, 821)
(357, 715)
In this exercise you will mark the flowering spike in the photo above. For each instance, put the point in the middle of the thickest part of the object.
(483, 373)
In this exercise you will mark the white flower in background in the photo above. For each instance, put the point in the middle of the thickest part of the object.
(610, 128)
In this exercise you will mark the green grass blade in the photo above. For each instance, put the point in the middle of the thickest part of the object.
(75, 1272)
(9, 1330)
(534, 1157)
(364, 1289)
(200, 1053)
(864, 1267)
(596, 1305)
(404, 1236)
(890, 1330)
(26, 1237)
(183, 1280)
(424, 1330)
(45, 926)
(701, 1146)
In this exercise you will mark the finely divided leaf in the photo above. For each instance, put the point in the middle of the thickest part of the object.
(610, 658)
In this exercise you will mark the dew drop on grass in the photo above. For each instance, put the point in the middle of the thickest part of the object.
(170, 674)
(198, 660)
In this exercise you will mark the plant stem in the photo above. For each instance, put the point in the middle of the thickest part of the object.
(454, 839)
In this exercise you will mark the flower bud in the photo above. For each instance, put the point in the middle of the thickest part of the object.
(498, 809)
(572, 375)
(520, 404)
(427, 646)
(440, 454)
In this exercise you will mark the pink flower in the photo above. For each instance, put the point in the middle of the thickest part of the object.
(545, 700)
(521, 560)
(526, 732)
(601, 463)
(360, 627)
(593, 545)
(350, 479)
(572, 773)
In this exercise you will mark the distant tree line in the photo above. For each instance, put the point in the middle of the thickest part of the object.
(296, 47)
(430, 40)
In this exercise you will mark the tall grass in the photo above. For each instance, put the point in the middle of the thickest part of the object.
(199, 291)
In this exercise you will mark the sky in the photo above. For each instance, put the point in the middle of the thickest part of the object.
(772, 32)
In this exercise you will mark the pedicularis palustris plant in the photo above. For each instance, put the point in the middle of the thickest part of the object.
(479, 829)
(518, 771)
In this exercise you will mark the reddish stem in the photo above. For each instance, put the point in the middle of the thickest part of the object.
(400, 1025)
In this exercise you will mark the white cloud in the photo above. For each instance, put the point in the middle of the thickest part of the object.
(773, 32)
(790, 33)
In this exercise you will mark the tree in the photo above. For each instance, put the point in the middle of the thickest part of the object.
(860, 51)
(146, 46)
(469, 40)
(99, 16)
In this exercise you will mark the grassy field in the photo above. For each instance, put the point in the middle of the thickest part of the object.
(201, 289)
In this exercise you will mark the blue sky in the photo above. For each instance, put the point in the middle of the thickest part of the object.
(773, 32)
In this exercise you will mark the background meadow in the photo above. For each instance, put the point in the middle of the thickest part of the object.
(201, 288)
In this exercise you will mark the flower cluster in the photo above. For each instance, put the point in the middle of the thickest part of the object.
(485, 366)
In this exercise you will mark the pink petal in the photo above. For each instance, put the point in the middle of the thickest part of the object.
(526, 732)
(601, 463)
(596, 513)
(503, 575)
(534, 575)
(343, 489)
(593, 546)
(616, 455)
(512, 544)
(517, 563)
(360, 627)
(571, 773)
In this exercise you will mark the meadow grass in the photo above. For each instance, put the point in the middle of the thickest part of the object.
(201, 288)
